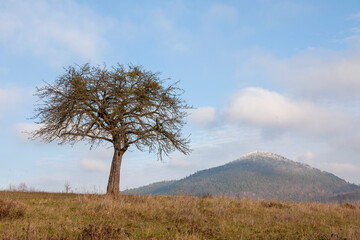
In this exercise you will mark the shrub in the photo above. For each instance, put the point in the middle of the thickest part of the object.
(11, 209)
(273, 204)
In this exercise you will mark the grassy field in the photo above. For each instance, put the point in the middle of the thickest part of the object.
(71, 216)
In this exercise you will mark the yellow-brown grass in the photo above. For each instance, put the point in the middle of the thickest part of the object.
(71, 216)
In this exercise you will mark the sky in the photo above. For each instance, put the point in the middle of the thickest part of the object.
(279, 76)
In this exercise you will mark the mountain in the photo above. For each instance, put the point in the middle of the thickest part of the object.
(258, 175)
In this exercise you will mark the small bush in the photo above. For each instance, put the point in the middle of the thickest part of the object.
(11, 210)
(272, 204)
(206, 195)
(348, 205)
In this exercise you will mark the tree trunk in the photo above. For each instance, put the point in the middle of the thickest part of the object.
(113, 187)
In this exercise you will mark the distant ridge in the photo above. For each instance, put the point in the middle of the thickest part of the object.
(259, 175)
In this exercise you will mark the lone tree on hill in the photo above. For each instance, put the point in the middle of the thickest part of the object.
(124, 105)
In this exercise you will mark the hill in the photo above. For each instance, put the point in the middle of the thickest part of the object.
(258, 175)
(78, 216)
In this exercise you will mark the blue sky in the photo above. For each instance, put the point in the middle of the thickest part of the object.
(279, 76)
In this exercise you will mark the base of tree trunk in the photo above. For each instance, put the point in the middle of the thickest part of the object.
(113, 187)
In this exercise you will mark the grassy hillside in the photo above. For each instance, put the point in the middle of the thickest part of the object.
(258, 175)
(70, 216)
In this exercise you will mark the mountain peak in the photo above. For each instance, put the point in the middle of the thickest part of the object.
(261, 154)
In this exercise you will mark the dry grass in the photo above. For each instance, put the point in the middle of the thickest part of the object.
(70, 216)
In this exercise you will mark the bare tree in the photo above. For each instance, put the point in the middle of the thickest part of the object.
(124, 106)
(22, 187)
(67, 187)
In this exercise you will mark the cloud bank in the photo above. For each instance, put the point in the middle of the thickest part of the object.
(270, 109)
(94, 165)
(203, 117)
(316, 73)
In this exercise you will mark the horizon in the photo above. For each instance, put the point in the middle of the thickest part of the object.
(280, 77)
(22, 187)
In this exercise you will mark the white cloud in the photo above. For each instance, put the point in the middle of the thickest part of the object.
(342, 167)
(307, 157)
(55, 30)
(179, 163)
(204, 116)
(345, 170)
(316, 73)
(265, 108)
(94, 165)
(23, 130)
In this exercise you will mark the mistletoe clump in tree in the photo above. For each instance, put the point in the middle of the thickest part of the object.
(124, 106)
